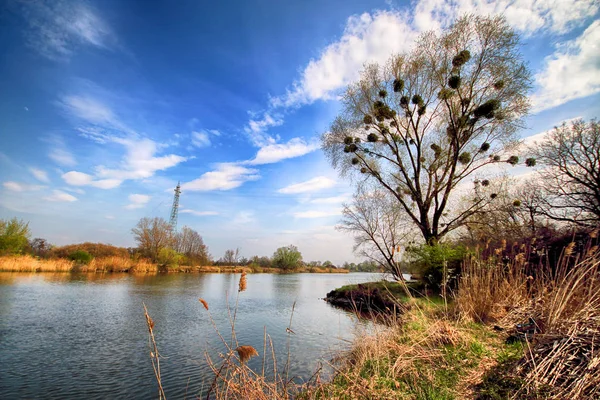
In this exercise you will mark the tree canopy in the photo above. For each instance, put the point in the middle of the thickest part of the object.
(14, 236)
(570, 157)
(288, 257)
(429, 119)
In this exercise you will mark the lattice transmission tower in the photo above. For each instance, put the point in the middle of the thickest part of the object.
(175, 208)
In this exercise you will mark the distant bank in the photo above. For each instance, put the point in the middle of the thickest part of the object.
(26, 263)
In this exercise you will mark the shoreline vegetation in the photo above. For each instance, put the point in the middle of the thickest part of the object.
(27, 263)
(507, 329)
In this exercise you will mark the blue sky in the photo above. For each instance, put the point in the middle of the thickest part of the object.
(106, 105)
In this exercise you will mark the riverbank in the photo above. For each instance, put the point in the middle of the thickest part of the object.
(26, 263)
(504, 334)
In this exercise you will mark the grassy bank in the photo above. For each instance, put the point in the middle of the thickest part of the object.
(26, 263)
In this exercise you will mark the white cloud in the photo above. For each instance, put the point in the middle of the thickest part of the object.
(198, 213)
(572, 72)
(109, 217)
(137, 201)
(312, 185)
(200, 139)
(329, 200)
(61, 196)
(140, 161)
(257, 128)
(62, 157)
(366, 38)
(372, 37)
(76, 178)
(273, 153)
(226, 176)
(26, 108)
(316, 214)
(40, 174)
(21, 187)
(57, 28)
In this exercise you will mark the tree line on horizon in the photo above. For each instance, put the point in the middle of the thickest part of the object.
(157, 243)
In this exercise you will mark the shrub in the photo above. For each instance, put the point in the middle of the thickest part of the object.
(169, 258)
(428, 262)
(81, 257)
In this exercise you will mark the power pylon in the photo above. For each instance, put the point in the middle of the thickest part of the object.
(175, 208)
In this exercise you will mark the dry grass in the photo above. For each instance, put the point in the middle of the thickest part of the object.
(487, 290)
(562, 358)
(28, 263)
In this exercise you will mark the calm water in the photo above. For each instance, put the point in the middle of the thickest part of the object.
(84, 336)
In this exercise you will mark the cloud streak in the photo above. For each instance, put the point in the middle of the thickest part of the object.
(57, 28)
(312, 185)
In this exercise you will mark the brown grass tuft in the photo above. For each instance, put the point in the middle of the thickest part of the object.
(246, 352)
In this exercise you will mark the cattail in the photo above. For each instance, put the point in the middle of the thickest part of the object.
(569, 249)
(246, 353)
(204, 303)
(503, 243)
(243, 282)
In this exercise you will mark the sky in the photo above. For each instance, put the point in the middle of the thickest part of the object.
(106, 105)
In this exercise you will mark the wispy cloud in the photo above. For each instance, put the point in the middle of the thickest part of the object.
(56, 28)
(137, 201)
(329, 200)
(225, 176)
(21, 187)
(316, 214)
(76, 178)
(312, 185)
(201, 139)
(141, 159)
(40, 174)
(257, 129)
(198, 213)
(60, 196)
(273, 153)
(572, 72)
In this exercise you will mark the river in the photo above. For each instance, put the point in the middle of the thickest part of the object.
(85, 336)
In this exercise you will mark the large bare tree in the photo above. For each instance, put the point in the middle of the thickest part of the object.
(379, 227)
(570, 156)
(432, 118)
(189, 243)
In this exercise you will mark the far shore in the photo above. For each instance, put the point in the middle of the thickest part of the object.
(26, 263)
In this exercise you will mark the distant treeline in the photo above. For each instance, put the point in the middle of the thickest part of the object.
(157, 244)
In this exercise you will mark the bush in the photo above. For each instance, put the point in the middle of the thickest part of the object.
(428, 263)
(169, 258)
(81, 257)
(14, 236)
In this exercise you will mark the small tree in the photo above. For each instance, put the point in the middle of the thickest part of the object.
(40, 247)
(153, 235)
(571, 175)
(287, 258)
(230, 257)
(432, 118)
(379, 227)
(14, 236)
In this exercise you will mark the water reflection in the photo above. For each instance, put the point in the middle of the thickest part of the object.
(84, 335)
